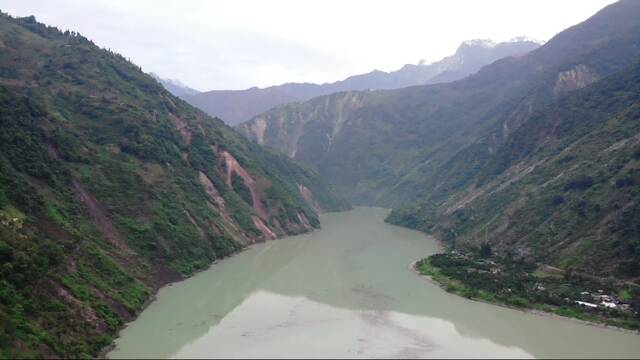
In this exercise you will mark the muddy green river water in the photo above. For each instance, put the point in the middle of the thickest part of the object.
(346, 291)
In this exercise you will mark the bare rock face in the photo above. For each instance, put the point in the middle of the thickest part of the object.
(233, 167)
(237, 106)
(257, 129)
(284, 127)
(574, 79)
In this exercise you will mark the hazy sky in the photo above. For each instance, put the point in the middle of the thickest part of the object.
(239, 43)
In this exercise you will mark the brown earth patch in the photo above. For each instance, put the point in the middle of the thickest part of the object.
(233, 166)
(214, 195)
(87, 313)
(264, 229)
(99, 217)
(182, 128)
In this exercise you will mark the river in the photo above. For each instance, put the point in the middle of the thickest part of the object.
(346, 291)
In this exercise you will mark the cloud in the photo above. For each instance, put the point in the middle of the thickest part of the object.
(236, 44)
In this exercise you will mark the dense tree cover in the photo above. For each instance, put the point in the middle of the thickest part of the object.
(485, 250)
(578, 204)
(519, 284)
(109, 188)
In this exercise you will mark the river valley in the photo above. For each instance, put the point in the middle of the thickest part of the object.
(346, 291)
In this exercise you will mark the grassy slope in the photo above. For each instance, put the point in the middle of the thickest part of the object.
(101, 198)
(563, 188)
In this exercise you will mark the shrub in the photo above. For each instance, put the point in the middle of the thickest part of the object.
(241, 188)
(557, 200)
(3, 200)
(579, 183)
(485, 251)
(625, 181)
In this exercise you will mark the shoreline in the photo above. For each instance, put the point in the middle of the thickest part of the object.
(107, 349)
(536, 312)
(411, 267)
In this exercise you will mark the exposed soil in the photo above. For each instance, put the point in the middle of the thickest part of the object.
(233, 166)
(182, 128)
(264, 229)
(99, 217)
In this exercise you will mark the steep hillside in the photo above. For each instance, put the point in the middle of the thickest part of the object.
(235, 107)
(445, 153)
(563, 189)
(396, 146)
(111, 187)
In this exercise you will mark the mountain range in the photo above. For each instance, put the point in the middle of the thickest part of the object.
(111, 187)
(174, 86)
(532, 154)
(236, 106)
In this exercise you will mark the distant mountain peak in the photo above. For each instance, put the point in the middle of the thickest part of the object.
(485, 43)
(174, 86)
(524, 38)
(176, 82)
(238, 106)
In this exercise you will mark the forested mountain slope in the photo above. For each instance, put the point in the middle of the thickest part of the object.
(454, 157)
(393, 145)
(236, 106)
(111, 187)
(563, 189)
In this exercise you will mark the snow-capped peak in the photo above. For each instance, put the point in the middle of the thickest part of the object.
(485, 43)
(525, 39)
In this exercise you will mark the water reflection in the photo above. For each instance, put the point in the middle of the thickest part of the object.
(300, 327)
(346, 292)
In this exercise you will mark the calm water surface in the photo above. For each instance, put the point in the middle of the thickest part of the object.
(345, 291)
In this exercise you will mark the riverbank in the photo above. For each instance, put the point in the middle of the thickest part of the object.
(343, 292)
(427, 271)
(105, 351)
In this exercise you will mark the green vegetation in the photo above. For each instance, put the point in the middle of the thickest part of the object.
(518, 155)
(518, 284)
(577, 206)
(237, 183)
(102, 197)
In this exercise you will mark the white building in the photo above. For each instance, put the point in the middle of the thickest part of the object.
(587, 304)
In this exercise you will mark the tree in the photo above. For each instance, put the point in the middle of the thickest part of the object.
(568, 274)
(3, 200)
(485, 250)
